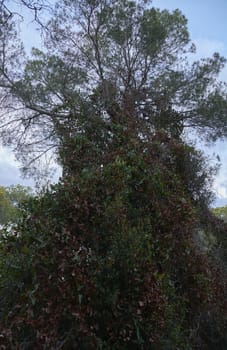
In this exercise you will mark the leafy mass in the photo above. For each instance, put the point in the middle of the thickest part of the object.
(123, 253)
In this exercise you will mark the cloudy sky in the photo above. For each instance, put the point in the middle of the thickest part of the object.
(208, 29)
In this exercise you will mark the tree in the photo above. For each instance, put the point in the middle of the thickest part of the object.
(109, 257)
(220, 212)
(11, 199)
(115, 64)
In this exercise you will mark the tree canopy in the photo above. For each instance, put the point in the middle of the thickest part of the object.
(115, 64)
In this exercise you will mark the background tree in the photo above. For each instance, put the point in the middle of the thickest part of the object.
(11, 200)
(220, 212)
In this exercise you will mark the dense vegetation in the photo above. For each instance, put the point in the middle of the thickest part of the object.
(123, 253)
(109, 258)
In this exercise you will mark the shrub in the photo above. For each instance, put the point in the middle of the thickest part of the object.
(106, 259)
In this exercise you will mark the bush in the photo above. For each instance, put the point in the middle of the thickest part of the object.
(107, 259)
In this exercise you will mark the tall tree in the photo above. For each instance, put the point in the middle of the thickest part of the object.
(109, 257)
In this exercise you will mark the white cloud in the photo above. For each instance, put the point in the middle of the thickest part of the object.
(11, 175)
(9, 170)
(220, 190)
(7, 157)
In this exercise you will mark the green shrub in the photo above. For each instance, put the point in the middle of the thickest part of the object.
(106, 259)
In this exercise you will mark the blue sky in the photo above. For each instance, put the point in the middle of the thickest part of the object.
(208, 30)
(206, 18)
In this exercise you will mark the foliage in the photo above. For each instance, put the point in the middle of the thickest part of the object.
(106, 259)
(11, 200)
(221, 238)
(220, 212)
(107, 63)
(110, 257)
